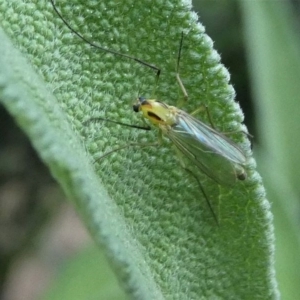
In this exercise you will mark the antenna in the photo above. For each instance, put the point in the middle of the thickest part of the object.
(103, 48)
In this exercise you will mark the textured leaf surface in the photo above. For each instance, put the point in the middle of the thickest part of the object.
(139, 203)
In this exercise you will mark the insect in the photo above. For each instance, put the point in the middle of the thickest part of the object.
(210, 151)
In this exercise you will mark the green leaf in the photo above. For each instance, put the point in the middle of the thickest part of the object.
(274, 47)
(147, 212)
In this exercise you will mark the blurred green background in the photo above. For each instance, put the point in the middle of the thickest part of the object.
(259, 44)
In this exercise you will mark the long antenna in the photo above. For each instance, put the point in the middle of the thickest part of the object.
(103, 48)
(119, 123)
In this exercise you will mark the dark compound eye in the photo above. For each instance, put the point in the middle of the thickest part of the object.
(136, 107)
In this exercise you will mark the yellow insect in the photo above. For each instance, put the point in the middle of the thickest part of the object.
(212, 152)
(204, 147)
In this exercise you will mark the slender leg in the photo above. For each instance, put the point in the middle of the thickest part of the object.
(199, 184)
(180, 83)
(155, 85)
(249, 135)
(185, 94)
(212, 124)
(209, 117)
(141, 145)
(204, 194)
(198, 110)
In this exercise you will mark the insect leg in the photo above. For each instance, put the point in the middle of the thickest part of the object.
(205, 107)
(199, 184)
(153, 93)
(249, 135)
(209, 117)
(226, 132)
(204, 194)
(198, 110)
(142, 145)
(185, 94)
(180, 83)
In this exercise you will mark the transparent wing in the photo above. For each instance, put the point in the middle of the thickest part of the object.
(213, 153)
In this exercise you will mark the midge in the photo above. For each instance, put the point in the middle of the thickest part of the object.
(204, 147)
